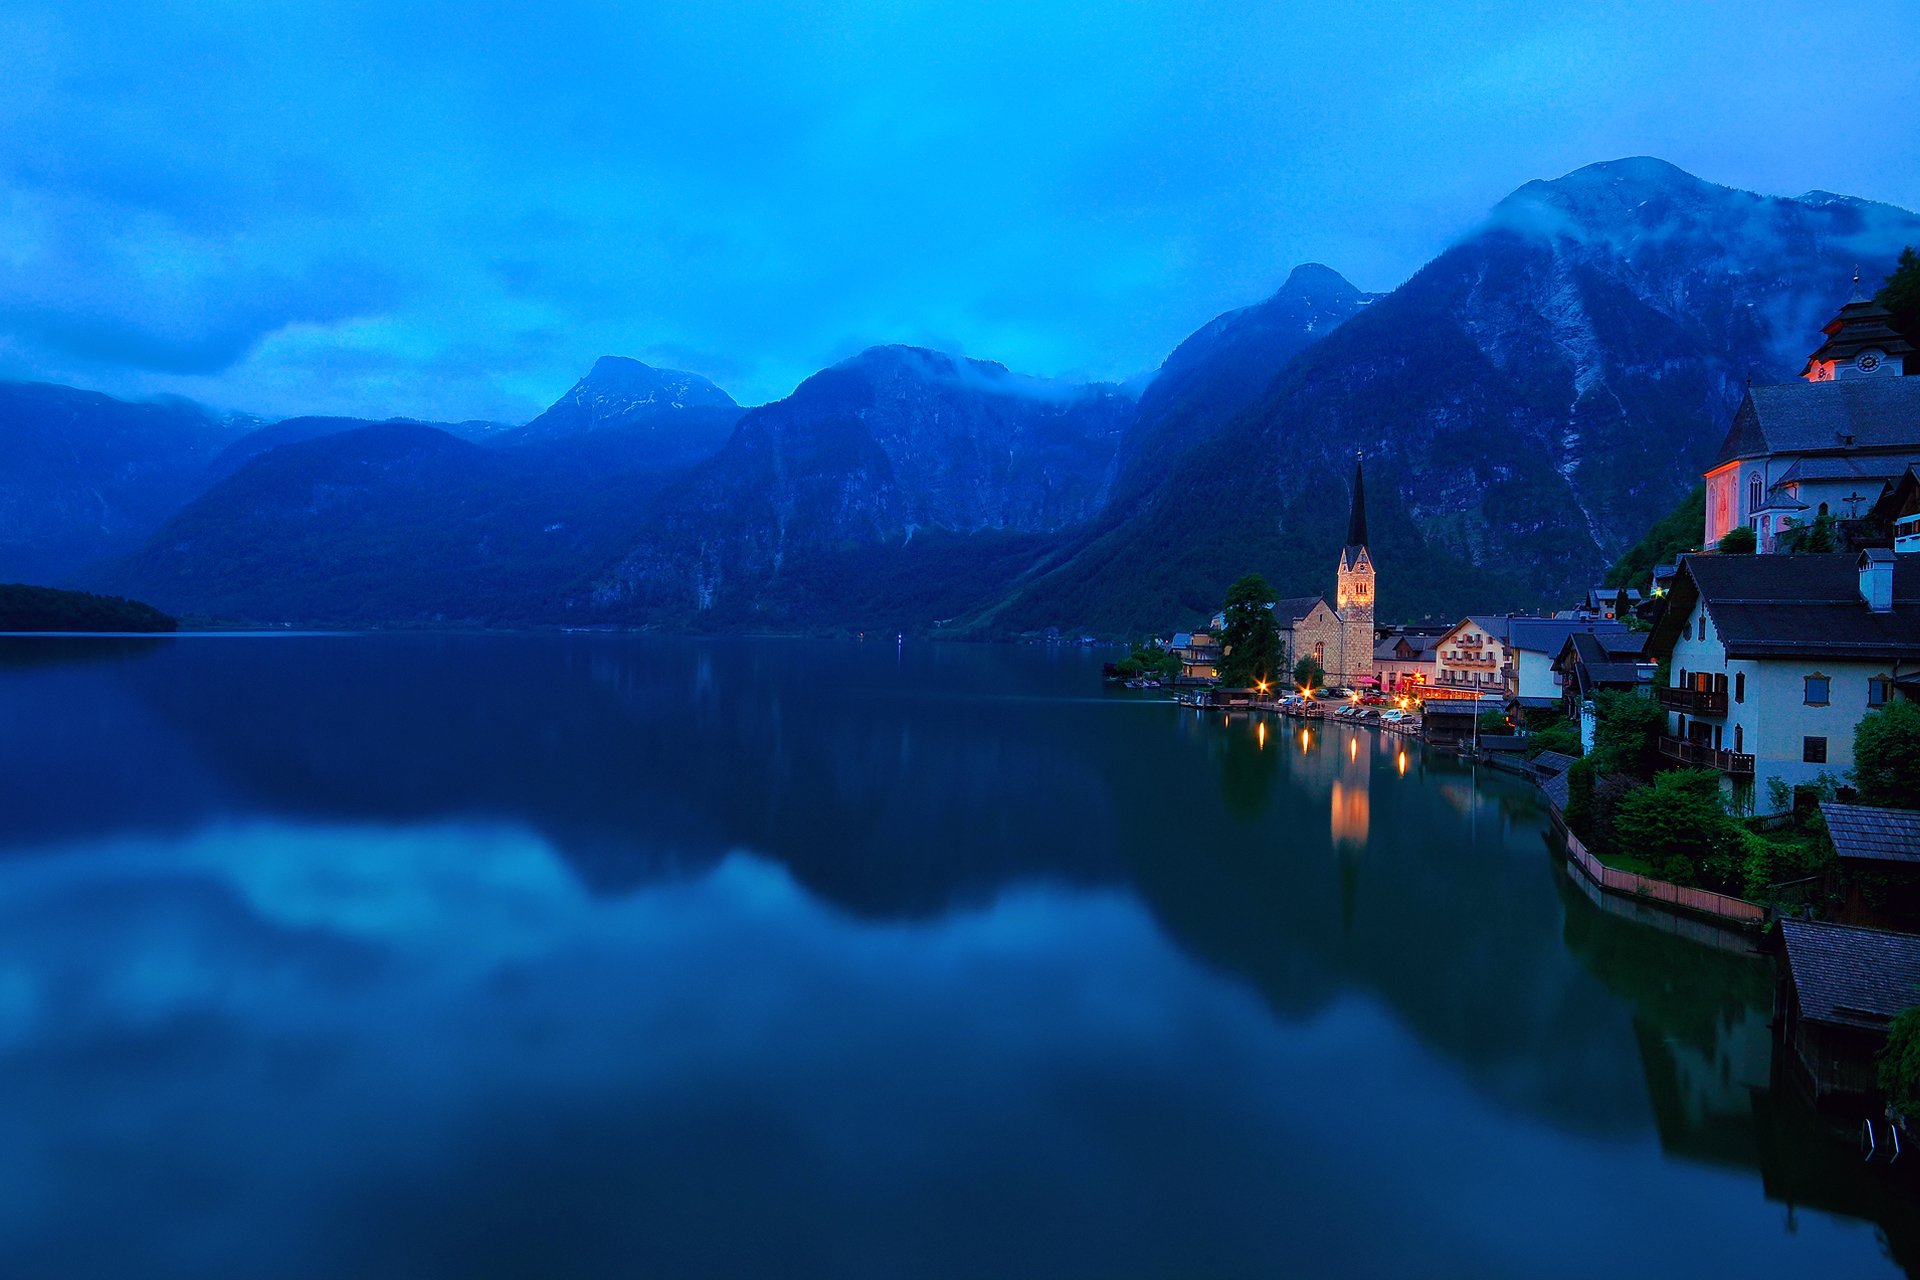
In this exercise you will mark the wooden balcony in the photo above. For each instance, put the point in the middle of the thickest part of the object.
(1737, 763)
(1712, 702)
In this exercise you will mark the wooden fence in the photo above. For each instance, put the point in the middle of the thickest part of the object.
(1706, 902)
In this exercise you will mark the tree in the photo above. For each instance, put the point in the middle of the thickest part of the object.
(1677, 532)
(1886, 755)
(1250, 646)
(1626, 738)
(1680, 824)
(1495, 722)
(1739, 542)
(1901, 295)
(1900, 1060)
(1308, 674)
(1813, 539)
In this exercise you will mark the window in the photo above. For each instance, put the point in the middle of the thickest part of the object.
(1817, 690)
(1739, 739)
(1703, 627)
(1739, 686)
(1689, 628)
(1753, 494)
(1879, 689)
(1813, 750)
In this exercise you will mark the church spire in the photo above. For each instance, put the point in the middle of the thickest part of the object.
(1357, 521)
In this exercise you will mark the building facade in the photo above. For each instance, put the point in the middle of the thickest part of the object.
(1826, 445)
(1773, 660)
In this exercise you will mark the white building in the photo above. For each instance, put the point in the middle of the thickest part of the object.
(1823, 446)
(1509, 656)
(1774, 659)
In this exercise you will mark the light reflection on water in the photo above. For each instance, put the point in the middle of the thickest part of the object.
(604, 958)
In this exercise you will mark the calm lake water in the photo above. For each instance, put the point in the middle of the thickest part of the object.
(421, 955)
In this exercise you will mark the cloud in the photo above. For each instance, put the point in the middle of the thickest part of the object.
(475, 201)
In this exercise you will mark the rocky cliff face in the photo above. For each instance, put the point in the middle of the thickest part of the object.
(1528, 404)
(82, 474)
(1225, 367)
(660, 419)
(894, 444)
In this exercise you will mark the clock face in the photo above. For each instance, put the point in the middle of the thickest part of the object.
(1868, 361)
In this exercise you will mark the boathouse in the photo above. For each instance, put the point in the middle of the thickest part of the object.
(1885, 843)
(1840, 988)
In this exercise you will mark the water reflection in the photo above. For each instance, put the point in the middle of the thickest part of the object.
(525, 954)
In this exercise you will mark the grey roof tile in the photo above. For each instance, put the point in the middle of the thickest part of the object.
(1851, 977)
(1872, 833)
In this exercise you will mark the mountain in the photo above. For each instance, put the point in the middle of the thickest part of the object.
(83, 474)
(344, 521)
(1528, 404)
(293, 430)
(1223, 368)
(392, 522)
(672, 419)
(898, 462)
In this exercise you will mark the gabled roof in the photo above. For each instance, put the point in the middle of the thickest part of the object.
(1851, 977)
(1814, 417)
(1873, 834)
(1548, 635)
(1293, 608)
(1421, 648)
(1847, 466)
(1797, 605)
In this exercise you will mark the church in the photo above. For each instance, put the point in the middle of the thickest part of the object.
(1827, 445)
(1339, 636)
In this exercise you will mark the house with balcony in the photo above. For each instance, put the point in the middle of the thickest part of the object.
(1773, 660)
(1199, 654)
(1897, 513)
(1512, 657)
(1592, 661)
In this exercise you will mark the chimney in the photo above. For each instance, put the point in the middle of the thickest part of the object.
(1876, 579)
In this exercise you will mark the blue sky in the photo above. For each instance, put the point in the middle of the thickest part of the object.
(447, 210)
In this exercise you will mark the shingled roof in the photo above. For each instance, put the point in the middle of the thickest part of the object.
(1851, 977)
(1873, 834)
(1825, 417)
(1293, 608)
(1807, 605)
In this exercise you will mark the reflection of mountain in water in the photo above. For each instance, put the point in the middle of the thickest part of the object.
(902, 784)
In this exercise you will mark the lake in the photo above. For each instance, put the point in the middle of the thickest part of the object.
(584, 955)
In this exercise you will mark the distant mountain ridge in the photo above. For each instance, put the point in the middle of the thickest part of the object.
(1528, 404)
(892, 444)
(83, 475)
(678, 418)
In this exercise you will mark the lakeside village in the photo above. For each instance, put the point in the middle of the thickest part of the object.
(1737, 744)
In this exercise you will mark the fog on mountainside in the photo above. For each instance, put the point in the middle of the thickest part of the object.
(1528, 405)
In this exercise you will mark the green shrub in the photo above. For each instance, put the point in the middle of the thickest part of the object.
(1886, 755)
(1900, 1063)
(1627, 737)
(1680, 822)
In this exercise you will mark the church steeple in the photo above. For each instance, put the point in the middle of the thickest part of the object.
(1357, 519)
(1353, 583)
